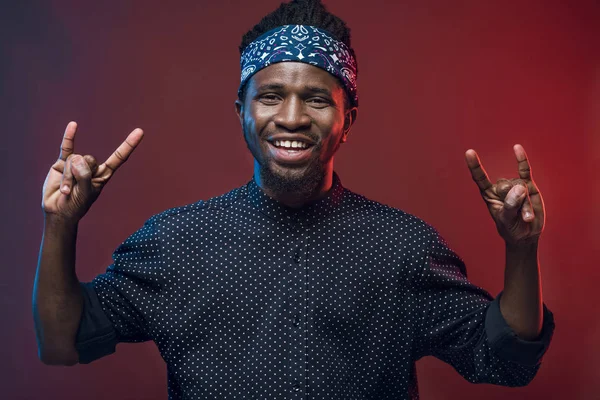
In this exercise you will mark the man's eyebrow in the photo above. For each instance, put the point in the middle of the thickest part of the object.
(279, 86)
(317, 89)
(269, 86)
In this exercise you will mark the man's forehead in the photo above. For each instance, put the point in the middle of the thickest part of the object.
(294, 75)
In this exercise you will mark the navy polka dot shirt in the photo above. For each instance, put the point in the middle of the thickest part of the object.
(248, 299)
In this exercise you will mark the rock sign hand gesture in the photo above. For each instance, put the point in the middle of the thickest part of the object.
(516, 205)
(74, 182)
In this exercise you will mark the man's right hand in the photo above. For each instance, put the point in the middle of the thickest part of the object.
(74, 182)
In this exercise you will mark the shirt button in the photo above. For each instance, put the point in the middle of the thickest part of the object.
(297, 256)
(296, 387)
(296, 320)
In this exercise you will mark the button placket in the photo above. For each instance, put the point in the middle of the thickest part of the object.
(297, 299)
(297, 256)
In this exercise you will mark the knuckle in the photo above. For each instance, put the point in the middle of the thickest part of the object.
(120, 156)
(91, 160)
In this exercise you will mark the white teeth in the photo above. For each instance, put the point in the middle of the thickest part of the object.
(290, 144)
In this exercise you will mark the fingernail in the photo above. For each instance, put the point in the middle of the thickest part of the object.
(527, 215)
(519, 190)
(65, 189)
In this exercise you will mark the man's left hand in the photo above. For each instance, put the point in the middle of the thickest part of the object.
(516, 205)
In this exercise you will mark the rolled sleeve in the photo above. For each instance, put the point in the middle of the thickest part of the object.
(120, 305)
(505, 342)
(96, 336)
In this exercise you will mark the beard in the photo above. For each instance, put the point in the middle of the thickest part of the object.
(301, 182)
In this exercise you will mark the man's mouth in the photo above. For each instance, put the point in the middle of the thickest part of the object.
(290, 144)
(290, 151)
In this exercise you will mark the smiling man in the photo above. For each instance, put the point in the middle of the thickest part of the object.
(297, 101)
(292, 286)
(294, 117)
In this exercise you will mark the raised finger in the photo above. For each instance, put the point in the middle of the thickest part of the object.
(477, 171)
(67, 146)
(124, 150)
(523, 162)
(66, 183)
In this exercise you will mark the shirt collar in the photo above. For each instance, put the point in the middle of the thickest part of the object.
(304, 215)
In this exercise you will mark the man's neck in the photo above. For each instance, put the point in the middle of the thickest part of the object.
(294, 200)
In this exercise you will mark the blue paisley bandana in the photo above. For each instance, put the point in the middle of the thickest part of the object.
(301, 43)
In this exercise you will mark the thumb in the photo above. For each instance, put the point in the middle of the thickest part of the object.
(513, 203)
(83, 175)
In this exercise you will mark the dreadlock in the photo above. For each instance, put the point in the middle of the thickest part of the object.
(300, 12)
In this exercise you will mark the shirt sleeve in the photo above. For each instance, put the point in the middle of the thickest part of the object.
(119, 304)
(461, 324)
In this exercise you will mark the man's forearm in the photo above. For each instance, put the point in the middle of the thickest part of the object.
(521, 301)
(57, 298)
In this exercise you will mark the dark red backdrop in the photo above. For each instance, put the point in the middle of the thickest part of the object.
(436, 78)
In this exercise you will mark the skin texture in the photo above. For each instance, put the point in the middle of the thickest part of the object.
(294, 98)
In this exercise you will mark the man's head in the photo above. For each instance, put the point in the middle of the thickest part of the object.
(296, 105)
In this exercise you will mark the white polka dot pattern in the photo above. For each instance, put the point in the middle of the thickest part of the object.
(248, 299)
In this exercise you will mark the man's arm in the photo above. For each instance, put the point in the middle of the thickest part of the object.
(57, 298)
(517, 209)
(72, 185)
(462, 324)
(521, 301)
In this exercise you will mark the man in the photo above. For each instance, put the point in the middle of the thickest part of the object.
(292, 286)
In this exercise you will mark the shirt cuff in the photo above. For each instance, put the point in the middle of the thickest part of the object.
(96, 336)
(508, 345)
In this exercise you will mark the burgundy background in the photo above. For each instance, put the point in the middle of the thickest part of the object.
(436, 78)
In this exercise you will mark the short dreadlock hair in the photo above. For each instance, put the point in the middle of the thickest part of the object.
(300, 12)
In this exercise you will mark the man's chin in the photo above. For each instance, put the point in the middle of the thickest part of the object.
(301, 181)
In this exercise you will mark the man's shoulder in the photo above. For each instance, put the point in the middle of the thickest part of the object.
(381, 214)
(201, 208)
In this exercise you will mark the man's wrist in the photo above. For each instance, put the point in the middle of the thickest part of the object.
(55, 222)
(525, 248)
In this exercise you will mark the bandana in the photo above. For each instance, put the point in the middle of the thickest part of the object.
(301, 43)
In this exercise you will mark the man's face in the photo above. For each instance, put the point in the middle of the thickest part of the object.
(294, 119)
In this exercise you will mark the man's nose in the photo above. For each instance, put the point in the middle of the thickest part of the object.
(292, 115)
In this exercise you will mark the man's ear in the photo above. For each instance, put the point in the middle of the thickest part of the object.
(239, 110)
(349, 118)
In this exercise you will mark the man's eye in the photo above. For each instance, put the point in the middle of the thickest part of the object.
(269, 97)
(318, 101)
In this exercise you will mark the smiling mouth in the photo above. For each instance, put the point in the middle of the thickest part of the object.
(290, 151)
(292, 145)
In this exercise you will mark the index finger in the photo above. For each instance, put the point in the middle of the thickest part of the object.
(477, 171)
(67, 145)
(524, 167)
(122, 153)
